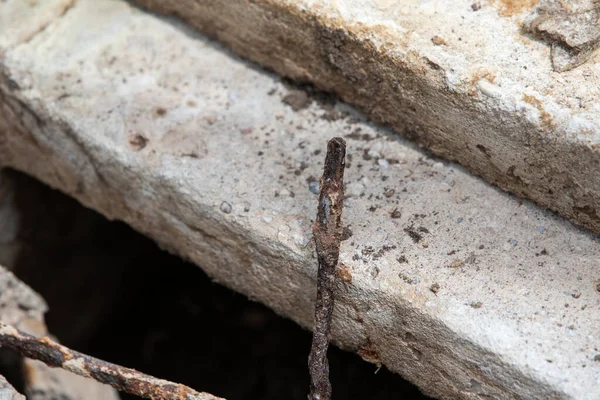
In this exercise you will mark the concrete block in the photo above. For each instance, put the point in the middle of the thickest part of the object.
(465, 290)
(462, 78)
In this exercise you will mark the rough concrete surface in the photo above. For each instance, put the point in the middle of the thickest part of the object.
(23, 308)
(19, 305)
(467, 291)
(7, 392)
(462, 78)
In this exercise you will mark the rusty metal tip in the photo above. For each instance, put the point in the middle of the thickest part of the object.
(337, 141)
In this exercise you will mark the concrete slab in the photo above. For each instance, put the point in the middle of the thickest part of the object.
(462, 78)
(467, 291)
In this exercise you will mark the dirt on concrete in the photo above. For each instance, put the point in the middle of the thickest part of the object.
(114, 294)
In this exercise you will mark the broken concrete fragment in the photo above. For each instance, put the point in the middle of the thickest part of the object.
(571, 28)
(7, 392)
(19, 305)
(487, 99)
(96, 78)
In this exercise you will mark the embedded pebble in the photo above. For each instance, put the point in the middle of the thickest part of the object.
(476, 304)
(313, 186)
(355, 189)
(400, 156)
(225, 207)
(284, 193)
(383, 163)
(267, 218)
(445, 187)
(374, 154)
(377, 146)
(301, 240)
(488, 88)
(283, 233)
(246, 206)
(541, 229)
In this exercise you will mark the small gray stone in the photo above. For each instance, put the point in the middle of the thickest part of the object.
(225, 207)
(313, 186)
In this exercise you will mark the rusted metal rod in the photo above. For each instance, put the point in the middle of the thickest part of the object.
(327, 232)
(121, 378)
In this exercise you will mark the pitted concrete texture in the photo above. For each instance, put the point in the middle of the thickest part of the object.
(462, 78)
(465, 290)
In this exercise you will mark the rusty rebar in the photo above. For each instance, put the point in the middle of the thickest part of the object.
(327, 232)
(121, 378)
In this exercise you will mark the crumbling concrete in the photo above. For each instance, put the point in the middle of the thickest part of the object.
(467, 291)
(462, 78)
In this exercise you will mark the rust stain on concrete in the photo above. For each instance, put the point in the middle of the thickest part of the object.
(508, 8)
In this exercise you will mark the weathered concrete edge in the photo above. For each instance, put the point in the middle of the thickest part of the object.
(221, 247)
(6, 389)
(410, 96)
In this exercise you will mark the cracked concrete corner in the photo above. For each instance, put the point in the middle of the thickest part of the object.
(459, 77)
